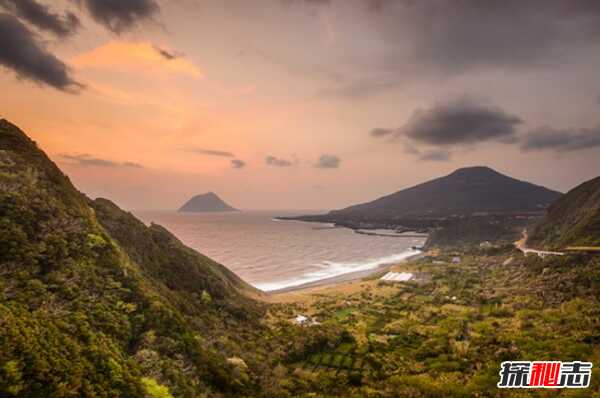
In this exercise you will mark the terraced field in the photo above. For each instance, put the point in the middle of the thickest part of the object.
(346, 358)
(447, 335)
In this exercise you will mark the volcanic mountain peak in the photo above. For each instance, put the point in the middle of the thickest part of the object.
(465, 191)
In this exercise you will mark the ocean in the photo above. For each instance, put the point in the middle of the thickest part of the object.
(272, 254)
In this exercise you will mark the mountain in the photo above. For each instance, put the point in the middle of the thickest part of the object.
(95, 303)
(573, 220)
(465, 191)
(208, 202)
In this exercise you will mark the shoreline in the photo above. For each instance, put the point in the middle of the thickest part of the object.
(390, 234)
(353, 275)
(340, 279)
(406, 233)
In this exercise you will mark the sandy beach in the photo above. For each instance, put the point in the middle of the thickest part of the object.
(340, 285)
(344, 278)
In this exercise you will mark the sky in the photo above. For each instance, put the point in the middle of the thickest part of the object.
(301, 104)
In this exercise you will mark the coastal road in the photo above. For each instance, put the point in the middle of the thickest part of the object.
(520, 244)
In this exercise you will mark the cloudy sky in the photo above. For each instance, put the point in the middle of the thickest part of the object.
(301, 104)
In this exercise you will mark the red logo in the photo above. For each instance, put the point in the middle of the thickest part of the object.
(545, 374)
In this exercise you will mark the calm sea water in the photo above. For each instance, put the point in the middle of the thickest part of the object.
(271, 254)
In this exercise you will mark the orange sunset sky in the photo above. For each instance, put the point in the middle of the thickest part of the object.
(291, 104)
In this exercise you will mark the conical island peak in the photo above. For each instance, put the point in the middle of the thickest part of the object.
(206, 203)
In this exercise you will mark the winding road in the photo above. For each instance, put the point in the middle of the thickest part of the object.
(520, 244)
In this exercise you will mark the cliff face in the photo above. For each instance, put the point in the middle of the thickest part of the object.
(208, 202)
(93, 302)
(573, 220)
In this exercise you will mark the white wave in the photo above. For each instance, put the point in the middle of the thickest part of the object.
(331, 269)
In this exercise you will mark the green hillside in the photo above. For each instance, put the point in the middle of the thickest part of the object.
(94, 303)
(573, 220)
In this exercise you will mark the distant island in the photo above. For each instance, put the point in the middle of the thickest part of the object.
(208, 202)
(112, 306)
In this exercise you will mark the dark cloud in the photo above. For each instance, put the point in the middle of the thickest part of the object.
(328, 162)
(435, 155)
(278, 162)
(238, 164)
(460, 122)
(167, 54)
(42, 17)
(378, 132)
(457, 36)
(548, 138)
(88, 160)
(465, 122)
(20, 52)
(441, 39)
(120, 15)
(212, 152)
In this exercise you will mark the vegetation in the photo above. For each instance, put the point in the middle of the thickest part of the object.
(446, 334)
(573, 220)
(94, 303)
(468, 231)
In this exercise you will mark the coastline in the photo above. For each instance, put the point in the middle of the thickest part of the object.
(352, 275)
(341, 279)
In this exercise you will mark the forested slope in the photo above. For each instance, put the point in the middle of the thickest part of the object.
(94, 303)
(573, 220)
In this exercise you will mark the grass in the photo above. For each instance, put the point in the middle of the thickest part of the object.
(341, 315)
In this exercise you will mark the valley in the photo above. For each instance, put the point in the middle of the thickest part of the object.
(95, 303)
